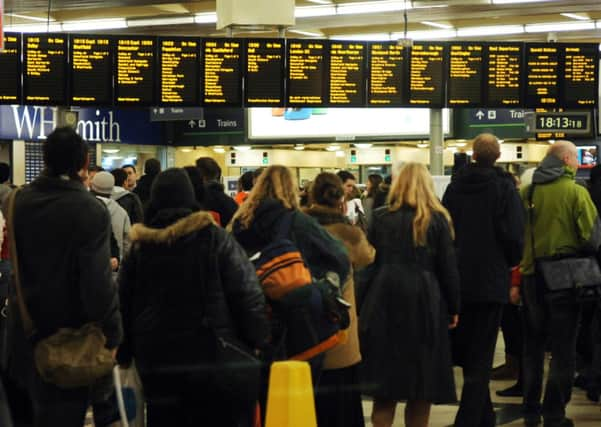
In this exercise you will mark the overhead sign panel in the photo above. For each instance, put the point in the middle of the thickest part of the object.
(465, 74)
(504, 71)
(387, 75)
(542, 75)
(427, 75)
(222, 62)
(136, 71)
(179, 67)
(307, 61)
(580, 75)
(91, 70)
(347, 73)
(45, 69)
(265, 71)
(10, 69)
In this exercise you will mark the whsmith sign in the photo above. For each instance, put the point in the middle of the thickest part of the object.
(33, 123)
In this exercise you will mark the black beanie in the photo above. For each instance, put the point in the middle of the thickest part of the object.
(172, 189)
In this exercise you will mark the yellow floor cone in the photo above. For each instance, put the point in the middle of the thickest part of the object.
(290, 401)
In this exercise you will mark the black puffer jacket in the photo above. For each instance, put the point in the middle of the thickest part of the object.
(488, 217)
(216, 200)
(179, 272)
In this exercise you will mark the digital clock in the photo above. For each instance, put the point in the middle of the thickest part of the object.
(569, 122)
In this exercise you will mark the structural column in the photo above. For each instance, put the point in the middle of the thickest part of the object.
(436, 142)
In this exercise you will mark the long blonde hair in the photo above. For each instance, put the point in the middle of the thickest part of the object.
(275, 182)
(414, 187)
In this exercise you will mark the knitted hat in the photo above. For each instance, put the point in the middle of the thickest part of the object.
(172, 189)
(103, 183)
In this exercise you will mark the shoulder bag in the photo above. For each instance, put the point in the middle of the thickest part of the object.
(572, 276)
(70, 358)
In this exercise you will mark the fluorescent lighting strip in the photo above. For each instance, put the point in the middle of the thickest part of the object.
(97, 24)
(206, 18)
(575, 16)
(375, 7)
(517, 1)
(184, 20)
(314, 11)
(34, 28)
(437, 25)
(364, 37)
(427, 35)
(493, 30)
(560, 26)
(31, 18)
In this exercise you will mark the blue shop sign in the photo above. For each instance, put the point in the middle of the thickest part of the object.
(34, 123)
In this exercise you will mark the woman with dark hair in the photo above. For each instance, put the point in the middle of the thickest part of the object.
(373, 182)
(338, 399)
(186, 280)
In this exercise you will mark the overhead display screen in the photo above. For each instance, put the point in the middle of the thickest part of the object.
(91, 70)
(10, 69)
(179, 67)
(387, 74)
(427, 75)
(504, 70)
(580, 76)
(264, 83)
(222, 72)
(347, 73)
(307, 61)
(136, 70)
(465, 78)
(542, 75)
(45, 69)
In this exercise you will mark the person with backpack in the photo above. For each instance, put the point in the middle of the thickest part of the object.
(271, 216)
(411, 303)
(338, 399)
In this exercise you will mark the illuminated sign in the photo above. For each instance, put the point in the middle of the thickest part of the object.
(465, 77)
(306, 72)
(426, 75)
(179, 71)
(10, 69)
(91, 70)
(222, 59)
(45, 66)
(134, 84)
(264, 84)
(347, 73)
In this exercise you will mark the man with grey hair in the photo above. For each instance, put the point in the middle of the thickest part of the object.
(488, 218)
(564, 222)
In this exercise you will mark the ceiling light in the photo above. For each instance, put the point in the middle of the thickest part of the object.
(314, 11)
(339, 153)
(242, 147)
(493, 30)
(372, 7)
(219, 150)
(516, 1)
(96, 24)
(427, 5)
(181, 20)
(363, 146)
(423, 145)
(307, 33)
(33, 28)
(461, 143)
(551, 141)
(110, 150)
(500, 141)
(333, 147)
(452, 149)
(581, 17)
(437, 25)
(186, 150)
(560, 26)
(427, 34)
(363, 37)
(321, 1)
(470, 152)
(206, 18)
(299, 147)
(31, 18)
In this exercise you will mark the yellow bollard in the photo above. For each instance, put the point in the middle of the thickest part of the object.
(290, 401)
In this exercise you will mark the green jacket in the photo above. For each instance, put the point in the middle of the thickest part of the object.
(565, 218)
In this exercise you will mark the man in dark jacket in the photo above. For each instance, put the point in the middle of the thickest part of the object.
(128, 200)
(489, 224)
(152, 168)
(62, 237)
(215, 199)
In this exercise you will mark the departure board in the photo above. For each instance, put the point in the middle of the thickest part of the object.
(580, 76)
(91, 70)
(179, 68)
(347, 73)
(504, 71)
(465, 78)
(10, 69)
(45, 73)
(136, 69)
(264, 84)
(542, 75)
(387, 75)
(307, 61)
(427, 75)
(222, 60)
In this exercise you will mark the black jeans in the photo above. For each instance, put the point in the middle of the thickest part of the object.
(557, 321)
(475, 341)
(511, 325)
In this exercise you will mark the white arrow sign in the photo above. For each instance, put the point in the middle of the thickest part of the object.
(480, 114)
(192, 123)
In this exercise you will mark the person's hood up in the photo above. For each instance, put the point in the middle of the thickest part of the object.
(550, 169)
(119, 193)
(473, 178)
(267, 215)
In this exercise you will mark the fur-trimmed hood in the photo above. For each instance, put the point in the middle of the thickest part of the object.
(168, 235)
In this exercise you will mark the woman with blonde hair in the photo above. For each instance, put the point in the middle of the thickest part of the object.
(412, 302)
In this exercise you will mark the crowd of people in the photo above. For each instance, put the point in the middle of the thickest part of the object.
(166, 268)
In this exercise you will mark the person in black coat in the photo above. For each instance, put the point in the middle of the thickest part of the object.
(215, 199)
(185, 275)
(62, 236)
(411, 303)
(152, 168)
(488, 216)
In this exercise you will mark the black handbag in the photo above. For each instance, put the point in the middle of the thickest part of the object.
(570, 276)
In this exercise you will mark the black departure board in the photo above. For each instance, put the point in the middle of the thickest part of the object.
(91, 70)
(307, 61)
(264, 84)
(135, 70)
(10, 69)
(465, 74)
(427, 75)
(580, 75)
(347, 73)
(45, 69)
(503, 78)
(387, 75)
(542, 75)
(179, 68)
(222, 59)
